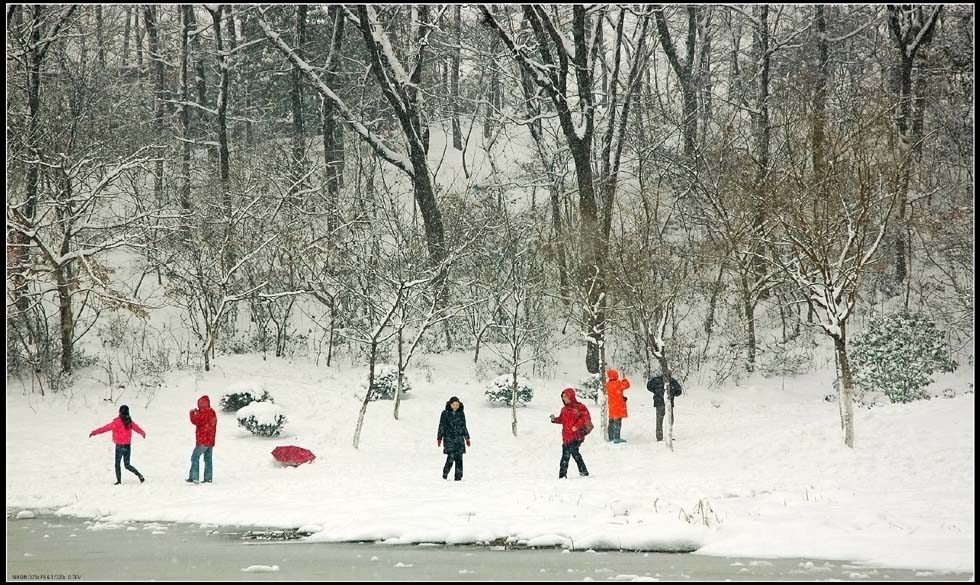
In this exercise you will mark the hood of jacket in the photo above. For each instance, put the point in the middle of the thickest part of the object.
(450, 401)
(204, 402)
(612, 375)
(569, 393)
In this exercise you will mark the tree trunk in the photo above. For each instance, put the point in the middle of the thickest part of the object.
(761, 130)
(748, 306)
(150, 13)
(564, 287)
(684, 69)
(296, 96)
(604, 395)
(401, 374)
(912, 29)
(592, 269)
(200, 78)
(713, 302)
(493, 91)
(513, 402)
(411, 116)
(689, 115)
(21, 242)
(230, 256)
(125, 47)
(454, 79)
(533, 109)
(905, 172)
(479, 339)
(367, 393)
(207, 360)
(668, 401)
(185, 119)
(333, 161)
(515, 360)
(63, 275)
(845, 395)
(139, 41)
(820, 103)
(333, 321)
(100, 37)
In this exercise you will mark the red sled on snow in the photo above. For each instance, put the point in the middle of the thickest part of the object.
(292, 455)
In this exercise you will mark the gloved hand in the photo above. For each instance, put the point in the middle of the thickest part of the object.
(467, 442)
(438, 442)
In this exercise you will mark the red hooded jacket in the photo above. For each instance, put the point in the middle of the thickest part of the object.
(206, 421)
(572, 418)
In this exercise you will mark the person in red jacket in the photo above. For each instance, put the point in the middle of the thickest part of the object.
(122, 428)
(615, 386)
(575, 424)
(206, 421)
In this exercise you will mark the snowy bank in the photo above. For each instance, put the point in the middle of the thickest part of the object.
(758, 470)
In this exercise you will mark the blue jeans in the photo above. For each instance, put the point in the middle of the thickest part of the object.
(195, 458)
(122, 454)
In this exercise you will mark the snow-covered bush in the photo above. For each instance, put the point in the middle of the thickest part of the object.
(897, 355)
(589, 387)
(263, 419)
(386, 382)
(234, 401)
(500, 390)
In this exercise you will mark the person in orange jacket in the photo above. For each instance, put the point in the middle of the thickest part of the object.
(617, 404)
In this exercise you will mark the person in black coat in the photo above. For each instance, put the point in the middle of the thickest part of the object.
(453, 437)
(656, 385)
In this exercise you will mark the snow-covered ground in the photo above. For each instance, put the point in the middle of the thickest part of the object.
(766, 464)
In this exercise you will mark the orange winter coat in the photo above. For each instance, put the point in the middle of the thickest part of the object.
(614, 390)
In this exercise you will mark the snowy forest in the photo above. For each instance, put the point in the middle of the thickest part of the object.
(713, 192)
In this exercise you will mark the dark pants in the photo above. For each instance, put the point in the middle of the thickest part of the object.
(571, 450)
(615, 429)
(452, 458)
(661, 413)
(122, 452)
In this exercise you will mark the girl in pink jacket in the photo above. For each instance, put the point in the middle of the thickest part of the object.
(122, 428)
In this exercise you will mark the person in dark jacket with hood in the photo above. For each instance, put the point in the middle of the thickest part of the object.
(575, 423)
(453, 437)
(204, 418)
(656, 385)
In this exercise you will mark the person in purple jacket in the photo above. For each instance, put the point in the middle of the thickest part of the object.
(122, 428)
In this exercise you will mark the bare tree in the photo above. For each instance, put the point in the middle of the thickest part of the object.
(687, 67)
(912, 29)
(400, 87)
(42, 29)
(825, 245)
(559, 58)
(72, 236)
(522, 323)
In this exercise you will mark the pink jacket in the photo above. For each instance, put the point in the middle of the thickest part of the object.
(120, 434)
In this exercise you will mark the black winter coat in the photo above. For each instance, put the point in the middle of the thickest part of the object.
(452, 430)
(656, 385)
